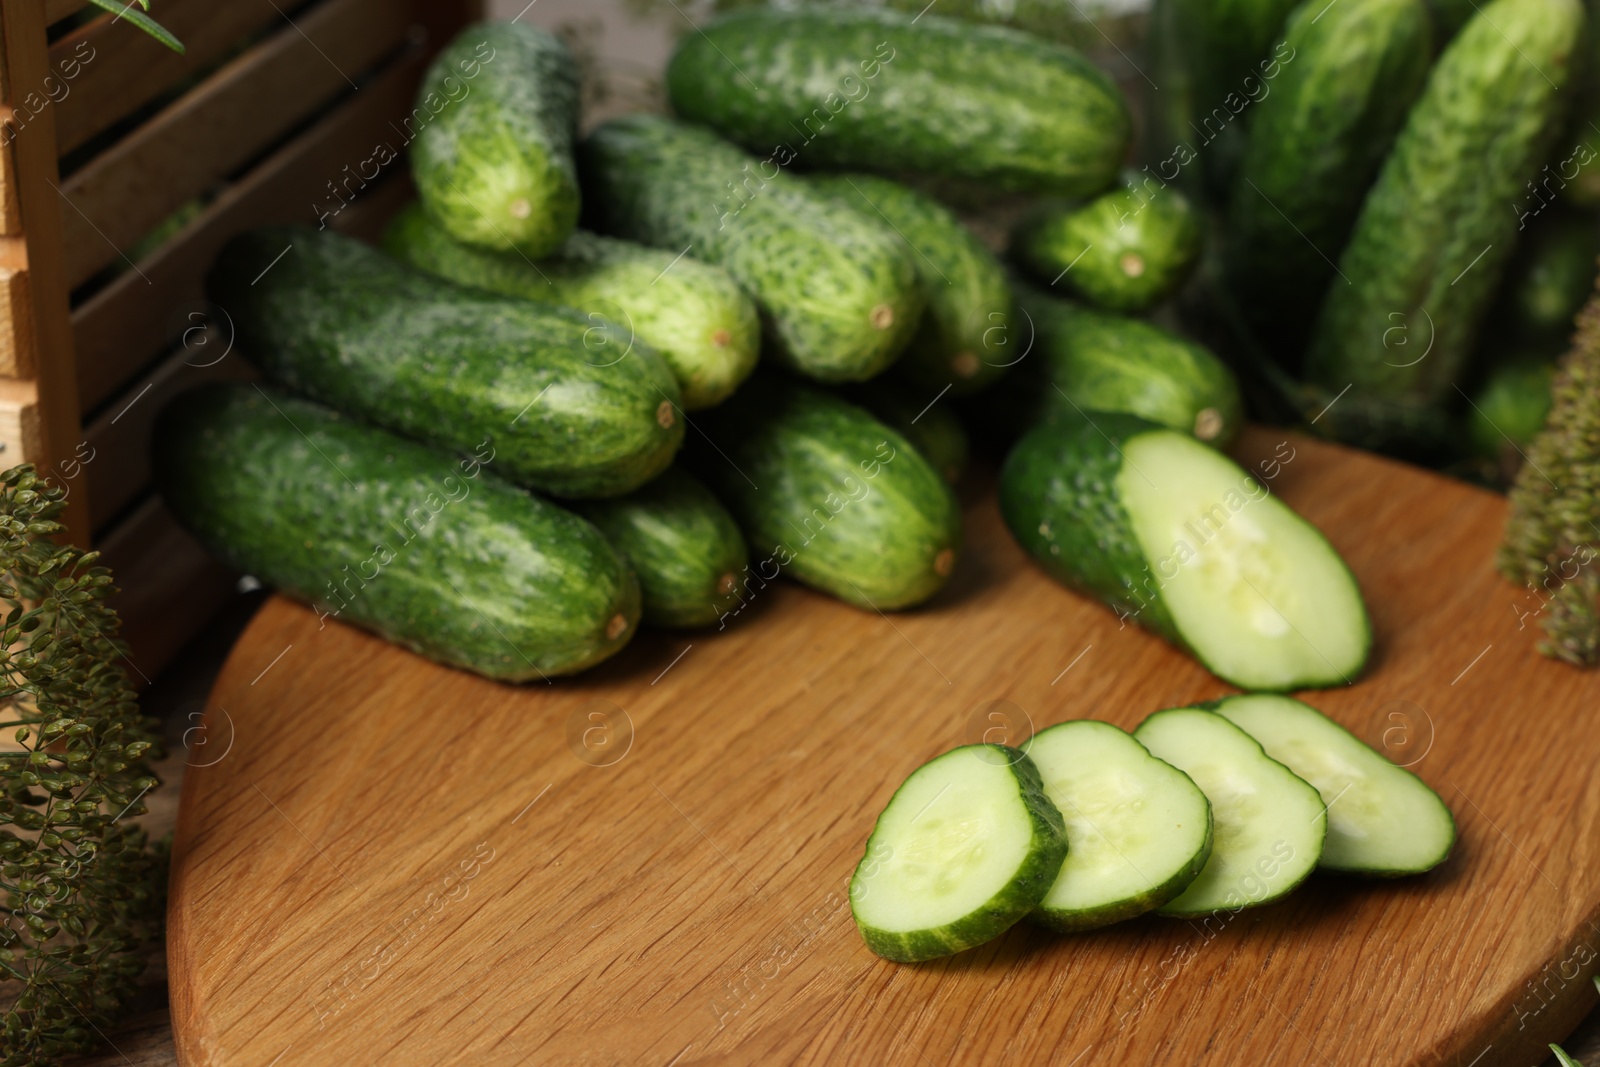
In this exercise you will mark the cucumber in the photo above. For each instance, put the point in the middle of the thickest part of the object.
(682, 543)
(1510, 408)
(1270, 824)
(1317, 142)
(1088, 360)
(1435, 230)
(838, 293)
(692, 313)
(831, 496)
(847, 87)
(1125, 250)
(1180, 539)
(964, 339)
(335, 319)
(966, 847)
(1138, 829)
(1550, 276)
(495, 120)
(1382, 819)
(933, 428)
(433, 553)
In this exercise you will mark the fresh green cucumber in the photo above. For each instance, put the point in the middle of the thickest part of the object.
(495, 120)
(1125, 250)
(1180, 539)
(683, 544)
(1510, 408)
(831, 496)
(852, 87)
(434, 553)
(1269, 823)
(1435, 231)
(692, 313)
(570, 408)
(967, 846)
(1550, 276)
(1083, 359)
(1138, 830)
(1382, 819)
(965, 338)
(933, 428)
(837, 290)
(1317, 142)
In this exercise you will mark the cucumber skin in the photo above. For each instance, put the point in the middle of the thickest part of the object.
(682, 543)
(1550, 276)
(1058, 497)
(678, 308)
(1514, 401)
(260, 477)
(836, 291)
(1004, 909)
(508, 137)
(963, 337)
(1103, 361)
(892, 547)
(350, 327)
(1480, 129)
(933, 429)
(1085, 246)
(943, 97)
(1317, 141)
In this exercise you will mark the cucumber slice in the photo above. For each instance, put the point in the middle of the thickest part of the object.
(966, 846)
(1255, 590)
(1382, 819)
(1269, 824)
(1138, 829)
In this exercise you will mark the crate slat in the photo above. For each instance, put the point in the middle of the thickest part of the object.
(17, 357)
(56, 10)
(10, 204)
(127, 68)
(220, 124)
(20, 431)
(125, 325)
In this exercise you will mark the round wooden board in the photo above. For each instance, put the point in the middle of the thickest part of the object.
(379, 860)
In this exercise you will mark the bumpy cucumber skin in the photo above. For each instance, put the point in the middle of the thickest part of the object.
(966, 335)
(932, 428)
(682, 543)
(1084, 359)
(1005, 908)
(493, 162)
(831, 496)
(347, 325)
(1480, 129)
(1316, 143)
(494, 580)
(853, 87)
(1076, 921)
(837, 291)
(1126, 250)
(1509, 409)
(692, 313)
(1058, 496)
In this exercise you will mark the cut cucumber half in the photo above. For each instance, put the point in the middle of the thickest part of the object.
(967, 846)
(1268, 823)
(1382, 819)
(1138, 829)
(1177, 537)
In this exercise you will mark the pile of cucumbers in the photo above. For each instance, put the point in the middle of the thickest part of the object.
(1403, 197)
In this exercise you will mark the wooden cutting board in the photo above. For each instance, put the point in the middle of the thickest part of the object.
(382, 861)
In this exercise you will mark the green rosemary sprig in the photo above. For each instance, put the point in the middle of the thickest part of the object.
(124, 9)
(81, 886)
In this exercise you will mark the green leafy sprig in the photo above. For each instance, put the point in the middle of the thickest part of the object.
(125, 9)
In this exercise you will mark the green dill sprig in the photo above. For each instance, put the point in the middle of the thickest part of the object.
(82, 888)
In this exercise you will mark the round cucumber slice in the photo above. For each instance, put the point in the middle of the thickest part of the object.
(1382, 819)
(966, 847)
(1255, 590)
(1269, 824)
(1138, 829)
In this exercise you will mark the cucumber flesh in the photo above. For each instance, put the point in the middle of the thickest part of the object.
(1138, 829)
(1268, 823)
(1382, 819)
(966, 847)
(1256, 591)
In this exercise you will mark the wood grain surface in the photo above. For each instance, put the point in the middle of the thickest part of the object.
(392, 862)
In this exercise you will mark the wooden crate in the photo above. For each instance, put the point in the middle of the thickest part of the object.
(123, 168)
